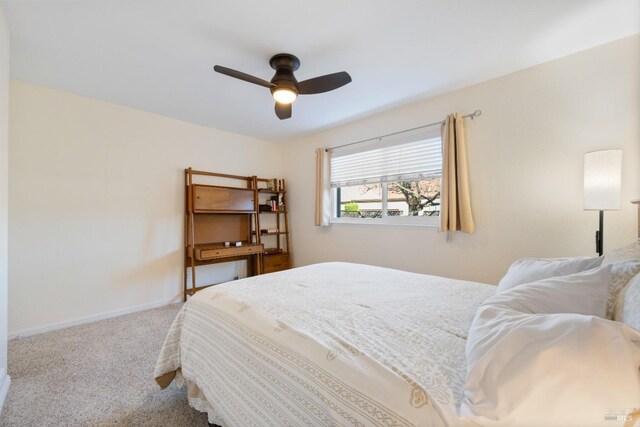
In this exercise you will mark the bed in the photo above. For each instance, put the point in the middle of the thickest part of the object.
(555, 343)
(327, 344)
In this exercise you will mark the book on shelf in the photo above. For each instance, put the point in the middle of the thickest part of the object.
(268, 230)
(274, 184)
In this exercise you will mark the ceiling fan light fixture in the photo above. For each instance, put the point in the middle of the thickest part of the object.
(284, 95)
(283, 85)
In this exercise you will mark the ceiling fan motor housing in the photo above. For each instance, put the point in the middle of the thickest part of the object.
(284, 60)
(284, 64)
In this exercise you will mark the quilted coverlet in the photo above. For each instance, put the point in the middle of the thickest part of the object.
(332, 344)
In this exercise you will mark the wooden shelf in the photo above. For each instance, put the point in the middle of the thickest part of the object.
(276, 254)
(274, 220)
(205, 211)
(215, 214)
(223, 213)
(223, 199)
(208, 252)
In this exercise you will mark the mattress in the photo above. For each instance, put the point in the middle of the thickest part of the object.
(331, 344)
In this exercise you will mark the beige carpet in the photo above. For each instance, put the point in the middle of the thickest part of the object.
(98, 374)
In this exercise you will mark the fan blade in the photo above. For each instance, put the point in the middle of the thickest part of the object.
(324, 83)
(283, 111)
(243, 76)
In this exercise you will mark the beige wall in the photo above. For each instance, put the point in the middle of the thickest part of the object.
(96, 200)
(95, 189)
(526, 159)
(4, 176)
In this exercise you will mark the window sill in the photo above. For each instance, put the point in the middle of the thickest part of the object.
(432, 222)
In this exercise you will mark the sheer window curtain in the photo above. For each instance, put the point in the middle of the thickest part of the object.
(323, 187)
(455, 207)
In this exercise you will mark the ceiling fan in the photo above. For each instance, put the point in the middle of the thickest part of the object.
(284, 86)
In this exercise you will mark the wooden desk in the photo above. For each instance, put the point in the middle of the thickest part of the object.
(215, 214)
(218, 251)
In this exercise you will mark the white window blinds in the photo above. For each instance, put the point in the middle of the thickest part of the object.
(412, 160)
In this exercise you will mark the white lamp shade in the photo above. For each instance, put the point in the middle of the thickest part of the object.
(602, 180)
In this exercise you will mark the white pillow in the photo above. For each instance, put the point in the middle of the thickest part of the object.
(621, 275)
(581, 293)
(558, 368)
(626, 253)
(551, 370)
(628, 304)
(527, 270)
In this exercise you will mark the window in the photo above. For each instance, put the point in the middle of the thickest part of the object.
(391, 182)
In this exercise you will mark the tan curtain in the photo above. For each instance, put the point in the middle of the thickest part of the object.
(323, 187)
(455, 200)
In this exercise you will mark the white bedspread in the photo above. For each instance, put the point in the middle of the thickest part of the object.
(326, 344)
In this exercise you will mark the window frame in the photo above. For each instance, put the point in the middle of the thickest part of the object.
(410, 221)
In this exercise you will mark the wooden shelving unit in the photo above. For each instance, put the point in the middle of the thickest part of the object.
(215, 214)
(277, 252)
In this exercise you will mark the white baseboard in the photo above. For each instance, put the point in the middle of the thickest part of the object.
(88, 319)
(5, 382)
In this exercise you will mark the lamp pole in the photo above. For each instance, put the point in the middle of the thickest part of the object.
(600, 235)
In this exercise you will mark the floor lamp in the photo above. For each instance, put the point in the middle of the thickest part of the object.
(602, 185)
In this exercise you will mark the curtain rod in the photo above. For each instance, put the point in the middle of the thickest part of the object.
(472, 116)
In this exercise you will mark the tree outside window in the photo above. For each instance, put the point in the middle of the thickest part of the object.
(419, 197)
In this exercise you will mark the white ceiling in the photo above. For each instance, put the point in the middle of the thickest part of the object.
(157, 55)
